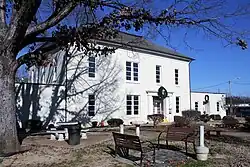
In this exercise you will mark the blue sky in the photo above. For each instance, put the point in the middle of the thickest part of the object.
(214, 64)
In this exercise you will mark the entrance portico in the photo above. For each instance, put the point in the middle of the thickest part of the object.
(158, 106)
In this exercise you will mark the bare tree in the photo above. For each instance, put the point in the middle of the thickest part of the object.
(31, 23)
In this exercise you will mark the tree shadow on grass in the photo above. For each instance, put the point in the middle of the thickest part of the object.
(229, 139)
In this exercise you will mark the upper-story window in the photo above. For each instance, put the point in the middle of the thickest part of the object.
(132, 71)
(196, 106)
(132, 105)
(91, 105)
(176, 74)
(92, 67)
(218, 106)
(158, 74)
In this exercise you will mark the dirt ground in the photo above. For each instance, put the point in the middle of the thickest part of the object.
(225, 151)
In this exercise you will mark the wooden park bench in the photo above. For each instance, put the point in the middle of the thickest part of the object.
(185, 134)
(124, 142)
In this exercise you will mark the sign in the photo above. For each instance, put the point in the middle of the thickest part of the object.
(162, 93)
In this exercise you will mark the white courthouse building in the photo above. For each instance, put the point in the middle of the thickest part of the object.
(122, 85)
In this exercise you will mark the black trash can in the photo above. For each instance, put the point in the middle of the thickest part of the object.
(74, 134)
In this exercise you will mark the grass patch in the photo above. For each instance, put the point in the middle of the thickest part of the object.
(207, 163)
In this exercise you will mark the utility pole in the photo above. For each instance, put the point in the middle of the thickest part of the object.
(230, 98)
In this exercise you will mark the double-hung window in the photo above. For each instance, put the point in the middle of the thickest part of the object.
(92, 67)
(158, 74)
(196, 106)
(176, 74)
(132, 71)
(132, 105)
(91, 106)
(218, 106)
(177, 104)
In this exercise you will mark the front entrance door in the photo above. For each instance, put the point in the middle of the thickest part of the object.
(157, 105)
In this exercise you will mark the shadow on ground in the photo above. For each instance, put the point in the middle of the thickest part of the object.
(229, 139)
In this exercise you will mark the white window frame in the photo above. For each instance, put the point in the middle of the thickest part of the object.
(176, 76)
(132, 73)
(91, 74)
(158, 74)
(179, 99)
(133, 105)
(218, 106)
(196, 106)
(91, 105)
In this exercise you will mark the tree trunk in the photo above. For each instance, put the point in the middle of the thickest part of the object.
(8, 132)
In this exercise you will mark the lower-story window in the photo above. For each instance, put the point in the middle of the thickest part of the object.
(177, 104)
(196, 106)
(132, 104)
(91, 106)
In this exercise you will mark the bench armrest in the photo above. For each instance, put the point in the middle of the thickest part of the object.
(150, 143)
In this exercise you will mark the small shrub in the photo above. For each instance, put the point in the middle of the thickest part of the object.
(192, 115)
(156, 118)
(215, 117)
(247, 119)
(94, 124)
(114, 122)
(33, 125)
(205, 118)
(181, 121)
(230, 122)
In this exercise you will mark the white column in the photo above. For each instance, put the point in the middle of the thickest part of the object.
(52, 137)
(66, 134)
(60, 137)
(202, 136)
(122, 129)
(137, 130)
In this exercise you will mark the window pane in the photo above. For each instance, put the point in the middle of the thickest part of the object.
(92, 70)
(91, 74)
(136, 102)
(135, 64)
(91, 113)
(128, 78)
(129, 102)
(129, 97)
(128, 64)
(136, 97)
(129, 112)
(135, 78)
(135, 69)
(92, 59)
(136, 74)
(128, 69)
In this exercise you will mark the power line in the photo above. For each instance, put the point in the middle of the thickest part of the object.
(211, 86)
(238, 83)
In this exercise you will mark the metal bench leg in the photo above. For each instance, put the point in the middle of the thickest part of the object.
(186, 146)
(194, 147)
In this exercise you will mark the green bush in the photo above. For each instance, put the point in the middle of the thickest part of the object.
(205, 117)
(181, 121)
(114, 122)
(192, 115)
(156, 118)
(247, 119)
(230, 122)
(215, 117)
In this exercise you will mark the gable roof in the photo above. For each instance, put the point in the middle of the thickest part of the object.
(140, 44)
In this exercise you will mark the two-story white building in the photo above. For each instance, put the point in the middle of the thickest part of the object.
(122, 85)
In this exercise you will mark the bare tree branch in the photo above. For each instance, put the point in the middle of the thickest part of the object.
(54, 19)
(3, 11)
